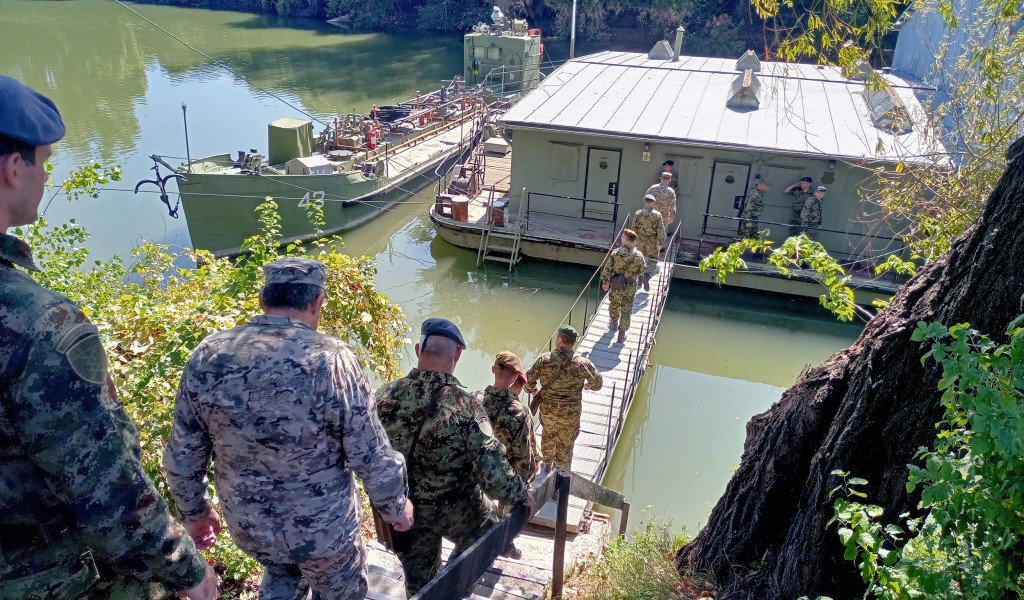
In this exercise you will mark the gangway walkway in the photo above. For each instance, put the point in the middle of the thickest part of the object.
(621, 365)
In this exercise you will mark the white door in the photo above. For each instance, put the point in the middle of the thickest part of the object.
(602, 184)
(725, 199)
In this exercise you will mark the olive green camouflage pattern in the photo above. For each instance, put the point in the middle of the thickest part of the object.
(664, 201)
(562, 374)
(799, 200)
(70, 461)
(463, 522)
(288, 415)
(513, 426)
(650, 233)
(753, 205)
(457, 459)
(810, 216)
(630, 262)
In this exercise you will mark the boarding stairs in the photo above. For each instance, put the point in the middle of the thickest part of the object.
(501, 249)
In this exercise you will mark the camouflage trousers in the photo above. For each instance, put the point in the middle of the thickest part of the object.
(339, 576)
(419, 549)
(561, 422)
(650, 251)
(620, 305)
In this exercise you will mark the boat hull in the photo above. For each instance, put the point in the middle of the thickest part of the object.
(468, 235)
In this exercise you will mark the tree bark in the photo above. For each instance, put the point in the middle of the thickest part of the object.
(866, 410)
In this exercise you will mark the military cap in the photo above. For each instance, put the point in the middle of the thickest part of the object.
(296, 270)
(821, 188)
(650, 197)
(666, 174)
(509, 360)
(630, 234)
(443, 328)
(568, 332)
(668, 163)
(807, 179)
(28, 116)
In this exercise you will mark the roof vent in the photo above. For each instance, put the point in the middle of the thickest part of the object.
(661, 51)
(743, 94)
(887, 110)
(748, 61)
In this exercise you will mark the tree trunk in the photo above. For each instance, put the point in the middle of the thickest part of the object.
(865, 410)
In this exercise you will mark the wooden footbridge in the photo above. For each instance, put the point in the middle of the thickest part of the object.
(565, 497)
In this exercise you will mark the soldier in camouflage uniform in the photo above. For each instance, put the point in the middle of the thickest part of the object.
(801, 191)
(452, 455)
(753, 204)
(564, 375)
(78, 517)
(665, 197)
(511, 421)
(287, 415)
(650, 233)
(628, 262)
(810, 216)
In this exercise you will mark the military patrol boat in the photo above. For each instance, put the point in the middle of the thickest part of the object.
(358, 165)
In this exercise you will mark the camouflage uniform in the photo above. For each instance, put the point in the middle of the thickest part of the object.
(650, 233)
(665, 201)
(513, 427)
(799, 200)
(630, 262)
(456, 461)
(561, 402)
(287, 413)
(810, 216)
(753, 204)
(78, 517)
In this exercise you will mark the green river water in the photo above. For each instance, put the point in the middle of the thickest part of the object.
(721, 355)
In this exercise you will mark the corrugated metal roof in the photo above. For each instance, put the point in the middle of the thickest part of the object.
(804, 109)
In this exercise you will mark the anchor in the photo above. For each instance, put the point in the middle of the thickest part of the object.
(161, 183)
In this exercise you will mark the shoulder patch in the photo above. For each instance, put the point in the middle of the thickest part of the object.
(484, 422)
(82, 348)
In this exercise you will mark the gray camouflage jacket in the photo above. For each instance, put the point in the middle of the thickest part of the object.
(288, 416)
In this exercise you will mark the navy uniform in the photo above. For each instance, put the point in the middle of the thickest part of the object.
(453, 460)
(288, 415)
(78, 516)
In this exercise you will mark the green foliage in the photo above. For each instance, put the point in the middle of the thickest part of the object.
(153, 313)
(798, 253)
(640, 567)
(971, 483)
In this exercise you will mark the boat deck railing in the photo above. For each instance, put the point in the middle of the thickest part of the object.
(583, 208)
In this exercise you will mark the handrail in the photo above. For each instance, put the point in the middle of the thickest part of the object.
(462, 573)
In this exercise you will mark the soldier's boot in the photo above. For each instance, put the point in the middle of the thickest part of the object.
(647, 283)
(622, 336)
(613, 323)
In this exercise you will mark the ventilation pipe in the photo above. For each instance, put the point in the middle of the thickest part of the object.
(679, 43)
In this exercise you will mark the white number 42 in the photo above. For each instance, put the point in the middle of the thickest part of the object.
(317, 200)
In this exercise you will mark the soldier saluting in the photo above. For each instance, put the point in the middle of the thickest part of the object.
(78, 517)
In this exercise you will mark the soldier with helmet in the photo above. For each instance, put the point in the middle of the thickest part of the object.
(78, 516)
(562, 376)
(287, 416)
(454, 461)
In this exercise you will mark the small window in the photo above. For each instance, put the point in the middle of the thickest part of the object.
(565, 162)
(493, 53)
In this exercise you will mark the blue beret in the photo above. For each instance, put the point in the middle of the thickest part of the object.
(807, 179)
(27, 115)
(444, 328)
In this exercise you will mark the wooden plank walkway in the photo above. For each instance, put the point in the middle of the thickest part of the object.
(620, 365)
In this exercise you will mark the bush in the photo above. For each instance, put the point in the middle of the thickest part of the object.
(640, 567)
(154, 313)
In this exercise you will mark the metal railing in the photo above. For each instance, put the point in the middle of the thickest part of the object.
(709, 240)
(461, 574)
(583, 208)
